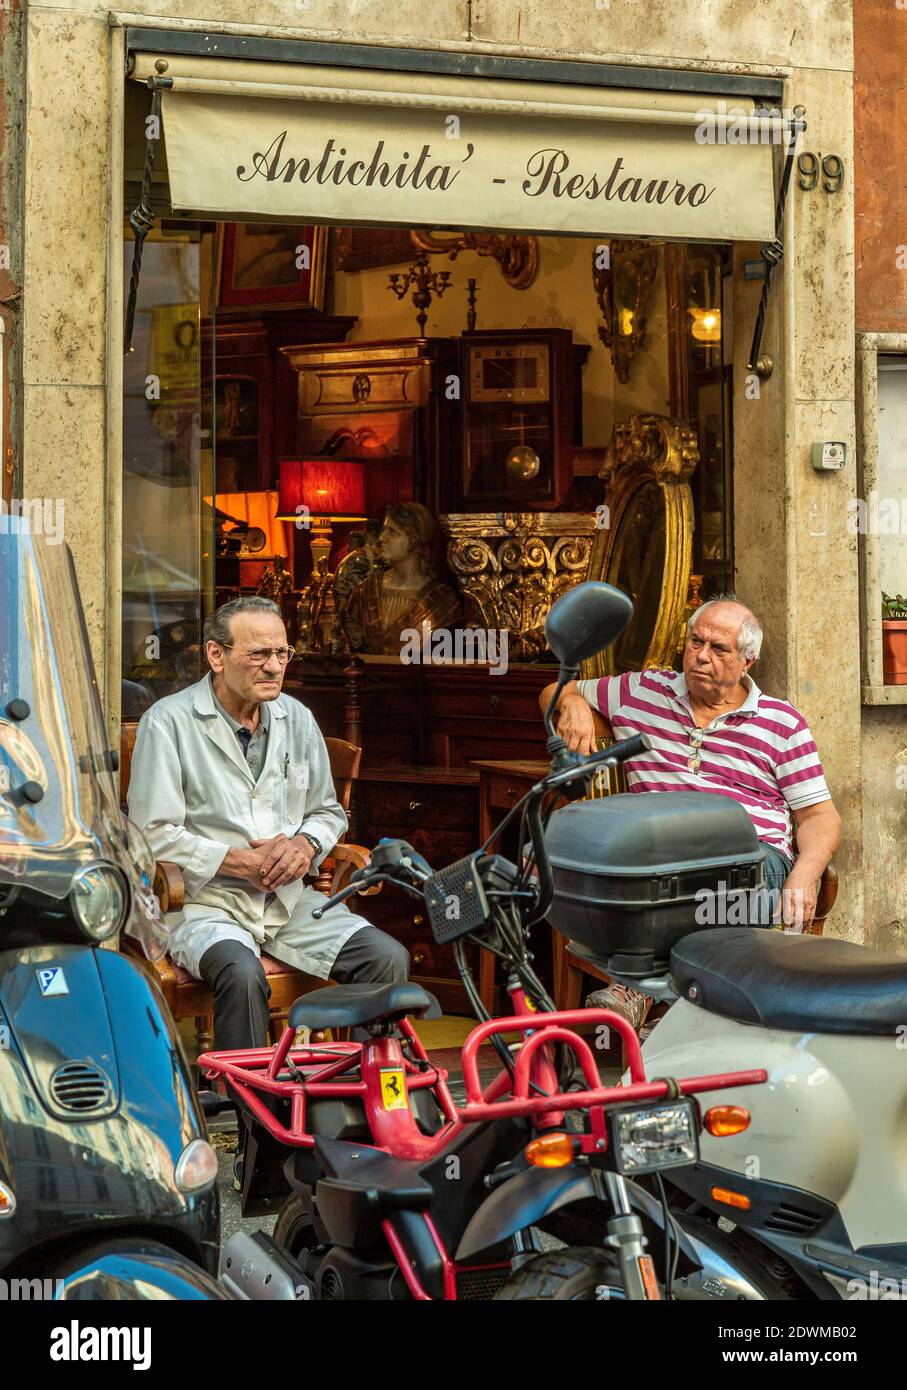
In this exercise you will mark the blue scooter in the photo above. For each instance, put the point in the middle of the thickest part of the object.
(107, 1179)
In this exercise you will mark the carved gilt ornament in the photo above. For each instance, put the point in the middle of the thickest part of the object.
(517, 256)
(511, 566)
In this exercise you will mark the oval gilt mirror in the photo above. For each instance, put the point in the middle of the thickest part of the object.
(646, 548)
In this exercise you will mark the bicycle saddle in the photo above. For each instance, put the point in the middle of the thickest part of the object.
(351, 1006)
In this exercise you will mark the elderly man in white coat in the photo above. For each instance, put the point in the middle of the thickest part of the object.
(231, 781)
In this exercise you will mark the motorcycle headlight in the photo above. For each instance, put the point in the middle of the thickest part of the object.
(99, 898)
(647, 1138)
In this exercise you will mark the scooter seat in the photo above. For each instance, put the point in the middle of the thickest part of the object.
(795, 983)
(350, 1006)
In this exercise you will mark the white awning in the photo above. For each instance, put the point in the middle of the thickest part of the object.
(287, 142)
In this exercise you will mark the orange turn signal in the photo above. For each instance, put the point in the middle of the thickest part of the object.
(550, 1151)
(723, 1120)
(731, 1199)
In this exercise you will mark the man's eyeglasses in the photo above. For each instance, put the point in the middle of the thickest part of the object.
(259, 655)
(695, 758)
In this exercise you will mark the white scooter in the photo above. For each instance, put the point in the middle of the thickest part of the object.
(815, 1186)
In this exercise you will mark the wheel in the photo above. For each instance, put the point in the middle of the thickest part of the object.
(562, 1275)
(294, 1231)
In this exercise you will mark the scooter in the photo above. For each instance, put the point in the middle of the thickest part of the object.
(397, 1192)
(816, 1188)
(106, 1175)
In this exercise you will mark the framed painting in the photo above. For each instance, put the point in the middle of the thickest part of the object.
(271, 263)
(362, 248)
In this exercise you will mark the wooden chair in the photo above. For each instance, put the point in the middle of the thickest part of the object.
(189, 998)
(571, 962)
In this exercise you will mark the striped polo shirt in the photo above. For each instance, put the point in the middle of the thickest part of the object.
(761, 754)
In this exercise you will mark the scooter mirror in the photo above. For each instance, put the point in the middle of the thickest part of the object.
(586, 620)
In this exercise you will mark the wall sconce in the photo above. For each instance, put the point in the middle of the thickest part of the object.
(706, 325)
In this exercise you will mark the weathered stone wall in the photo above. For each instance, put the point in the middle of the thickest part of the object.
(880, 267)
(880, 138)
(884, 750)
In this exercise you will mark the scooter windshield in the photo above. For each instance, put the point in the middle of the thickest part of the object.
(59, 808)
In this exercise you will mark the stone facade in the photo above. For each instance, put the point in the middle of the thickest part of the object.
(880, 141)
(803, 580)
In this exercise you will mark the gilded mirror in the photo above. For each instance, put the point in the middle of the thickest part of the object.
(646, 548)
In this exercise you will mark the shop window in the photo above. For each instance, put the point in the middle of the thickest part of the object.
(878, 514)
(893, 477)
(699, 318)
(167, 522)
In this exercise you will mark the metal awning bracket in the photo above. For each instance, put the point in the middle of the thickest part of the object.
(772, 251)
(141, 219)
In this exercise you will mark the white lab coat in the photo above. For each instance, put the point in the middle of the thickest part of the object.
(193, 795)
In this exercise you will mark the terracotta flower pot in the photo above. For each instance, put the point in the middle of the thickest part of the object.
(894, 651)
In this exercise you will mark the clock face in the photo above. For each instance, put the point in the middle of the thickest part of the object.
(509, 372)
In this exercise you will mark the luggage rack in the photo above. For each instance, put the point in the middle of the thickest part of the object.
(254, 1073)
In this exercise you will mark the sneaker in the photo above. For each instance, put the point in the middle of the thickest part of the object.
(238, 1167)
(631, 1004)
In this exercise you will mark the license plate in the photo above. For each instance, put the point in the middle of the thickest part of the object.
(649, 1138)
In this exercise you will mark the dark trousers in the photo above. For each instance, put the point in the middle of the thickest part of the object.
(776, 867)
(237, 979)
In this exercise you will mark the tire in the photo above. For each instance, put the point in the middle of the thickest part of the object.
(568, 1275)
(294, 1231)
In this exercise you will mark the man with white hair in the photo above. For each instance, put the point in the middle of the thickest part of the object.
(713, 730)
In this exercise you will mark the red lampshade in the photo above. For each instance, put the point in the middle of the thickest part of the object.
(332, 488)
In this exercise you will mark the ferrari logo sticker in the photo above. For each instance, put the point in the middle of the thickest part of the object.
(393, 1090)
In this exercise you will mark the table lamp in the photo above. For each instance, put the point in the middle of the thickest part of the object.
(317, 492)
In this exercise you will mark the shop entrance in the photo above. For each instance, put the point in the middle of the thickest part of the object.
(311, 405)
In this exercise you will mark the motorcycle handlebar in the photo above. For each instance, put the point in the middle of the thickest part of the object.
(627, 748)
(388, 857)
(391, 856)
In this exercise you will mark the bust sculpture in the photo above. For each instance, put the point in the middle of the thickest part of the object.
(406, 594)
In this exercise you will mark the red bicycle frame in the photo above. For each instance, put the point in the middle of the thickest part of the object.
(382, 1066)
(388, 1077)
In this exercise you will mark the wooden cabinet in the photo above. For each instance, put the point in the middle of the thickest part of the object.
(437, 811)
(384, 403)
(254, 406)
(439, 716)
(422, 728)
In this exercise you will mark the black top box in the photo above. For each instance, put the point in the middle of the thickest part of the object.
(628, 869)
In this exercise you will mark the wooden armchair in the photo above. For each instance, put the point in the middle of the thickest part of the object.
(570, 964)
(190, 998)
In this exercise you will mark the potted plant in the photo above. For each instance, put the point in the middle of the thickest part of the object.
(894, 639)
